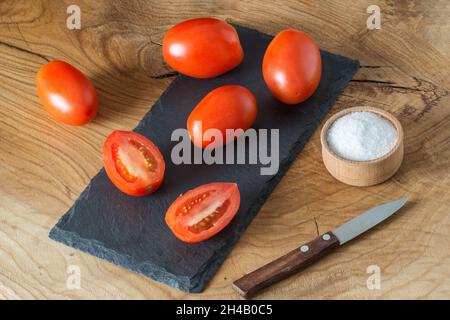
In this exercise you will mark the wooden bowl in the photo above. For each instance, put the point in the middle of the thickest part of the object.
(363, 173)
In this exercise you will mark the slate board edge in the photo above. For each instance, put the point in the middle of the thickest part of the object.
(94, 247)
(197, 283)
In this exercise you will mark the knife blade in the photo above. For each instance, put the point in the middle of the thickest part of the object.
(298, 259)
(365, 221)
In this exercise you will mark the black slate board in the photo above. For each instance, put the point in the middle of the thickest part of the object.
(131, 232)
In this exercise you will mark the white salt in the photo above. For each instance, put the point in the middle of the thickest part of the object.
(361, 136)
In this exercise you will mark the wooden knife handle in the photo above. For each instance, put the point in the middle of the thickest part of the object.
(281, 268)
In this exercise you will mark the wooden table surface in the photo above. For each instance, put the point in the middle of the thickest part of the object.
(405, 69)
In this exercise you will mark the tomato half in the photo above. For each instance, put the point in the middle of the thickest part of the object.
(133, 163)
(202, 212)
(227, 107)
(66, 93)
(292, 66)
(202, 48)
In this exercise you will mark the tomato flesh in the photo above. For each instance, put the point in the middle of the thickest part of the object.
(66, 93)
(292, 66)
(202, 48)
(133, 163)
(204, 211)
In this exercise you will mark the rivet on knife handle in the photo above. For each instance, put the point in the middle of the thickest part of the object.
(281, 268)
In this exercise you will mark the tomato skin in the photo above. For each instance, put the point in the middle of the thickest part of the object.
(202, 48)
(226, 107)
(184, 224)
(121, 151)
(66, 93)
(292, 66)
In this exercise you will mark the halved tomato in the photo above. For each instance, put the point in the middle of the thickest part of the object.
(133, 163)
(202, 212)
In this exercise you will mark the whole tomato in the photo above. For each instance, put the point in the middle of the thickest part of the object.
(66, 93)
(202, 48)
(292, 66)
(227, 107)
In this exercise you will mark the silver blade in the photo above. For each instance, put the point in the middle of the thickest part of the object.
(367, 220)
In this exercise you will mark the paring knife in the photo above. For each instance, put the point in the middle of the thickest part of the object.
(300, 258)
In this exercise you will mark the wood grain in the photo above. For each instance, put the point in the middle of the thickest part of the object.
(45, 165)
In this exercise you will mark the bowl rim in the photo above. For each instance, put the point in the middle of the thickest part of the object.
(388, 116)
